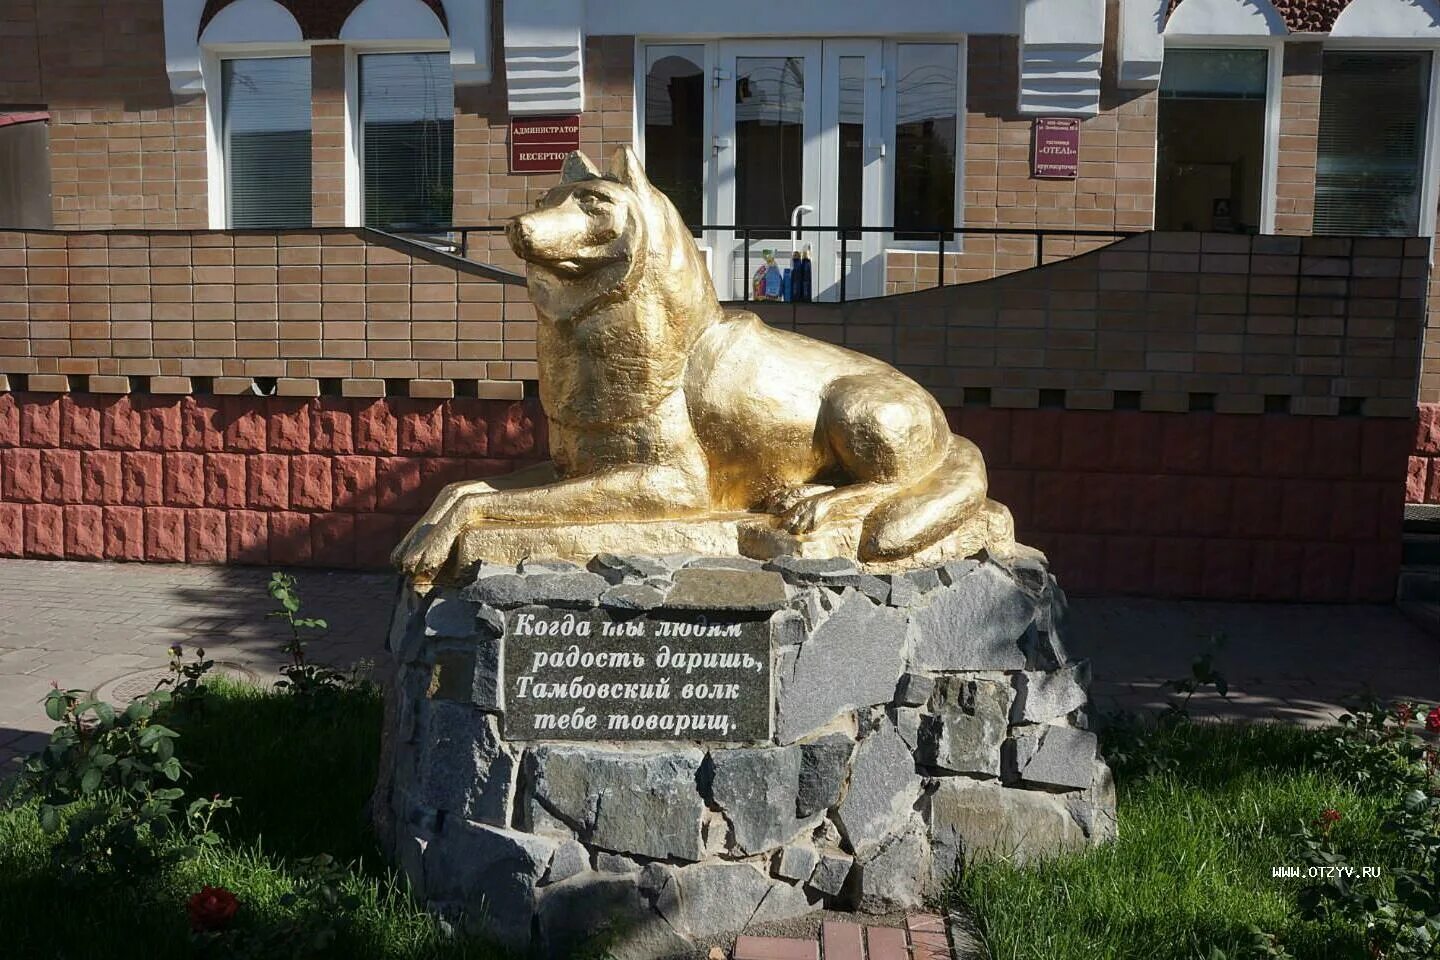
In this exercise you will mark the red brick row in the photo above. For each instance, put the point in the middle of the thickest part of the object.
(1422, 483)
(1224, 569)
(201, 535)
(1192, 444)
(234, 481)
(391, 426)
(1260, 508)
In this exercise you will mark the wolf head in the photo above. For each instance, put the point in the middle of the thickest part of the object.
(600, 236)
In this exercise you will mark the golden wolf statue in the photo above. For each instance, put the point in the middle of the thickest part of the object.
(663, 405)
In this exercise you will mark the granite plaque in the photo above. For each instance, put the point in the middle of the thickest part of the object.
(662, 675)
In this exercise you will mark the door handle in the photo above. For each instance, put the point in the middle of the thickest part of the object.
(795, 216)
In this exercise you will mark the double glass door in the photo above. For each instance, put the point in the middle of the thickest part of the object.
(798, 144)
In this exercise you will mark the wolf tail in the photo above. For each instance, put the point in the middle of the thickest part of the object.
(933, 507)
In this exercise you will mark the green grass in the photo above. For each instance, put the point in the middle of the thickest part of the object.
(300, 778)
(1192, 866)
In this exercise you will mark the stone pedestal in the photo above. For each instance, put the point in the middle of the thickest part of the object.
(657, 751)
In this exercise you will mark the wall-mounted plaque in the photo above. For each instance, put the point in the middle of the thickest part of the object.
(541, 144)
(671, 675)
(1056, 148)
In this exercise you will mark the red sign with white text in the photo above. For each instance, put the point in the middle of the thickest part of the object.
(1056, 148)
(541, 144)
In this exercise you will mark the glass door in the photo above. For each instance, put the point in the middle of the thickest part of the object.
(852, 173)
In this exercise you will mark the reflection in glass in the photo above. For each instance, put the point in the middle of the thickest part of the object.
(407, 115)
(675, 126)
(266, 133)
(850, 139)
(769, 140)
(926, 91)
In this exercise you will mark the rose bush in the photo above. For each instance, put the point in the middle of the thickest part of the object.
(212, 909)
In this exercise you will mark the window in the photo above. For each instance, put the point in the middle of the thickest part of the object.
(926, 125)
(769, 140)
(25, 201)
(266, 141)
(1210, 172)
(1369, 168)
(407, 119)
(675, 126)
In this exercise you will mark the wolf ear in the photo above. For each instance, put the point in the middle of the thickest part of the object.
(578, 167)
(627, 168)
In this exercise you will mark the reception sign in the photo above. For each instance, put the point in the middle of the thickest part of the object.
(541, 144)
(1056, 148)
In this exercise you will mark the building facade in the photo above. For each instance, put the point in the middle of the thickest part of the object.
(231, 184)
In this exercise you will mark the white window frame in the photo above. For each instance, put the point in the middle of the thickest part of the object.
(1430, 158)
(217, 174)
(1274, 78)
(354, 130)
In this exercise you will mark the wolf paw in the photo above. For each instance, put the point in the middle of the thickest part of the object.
(809, 513)
(783, 501)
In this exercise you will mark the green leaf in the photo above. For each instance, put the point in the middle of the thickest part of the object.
(55, 705)
(171, 768)
(49, 818)
(168, 793)
(90, 780)
(105, 712)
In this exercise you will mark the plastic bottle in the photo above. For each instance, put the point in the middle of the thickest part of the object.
(773, 278)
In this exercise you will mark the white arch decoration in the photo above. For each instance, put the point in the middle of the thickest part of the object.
(1228, 18)
(251, 21)
(1391, 19)
(393, 20)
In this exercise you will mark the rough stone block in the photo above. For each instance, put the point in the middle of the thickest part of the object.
(12, 530)
(165, 534)
(84, 533)
(461, 765)
(290, 538)
(824, 769)
(894, 875)
(332, 539)
(616, 569)
(40, 422)
(974, 624)
(225, 480)
(184, 479)
(44, 531)
(851, 661)
(577, 590)
(466, 430)
(332, 429)
(914, 689)
(715, 898)
(376, 429)
(397, 485)
(972, 821)
(245, 428)
(591, 909)
(759, 591)
(205, 536)
(310, 482)
(20, 475)
(756, 790)
(9, 420)
(375, 536)
(201, 425)
(796, 861)
(124, 533)
(249, 535)
(1043, 696)
(420, 427)
(1055, 756)
(353, 486)
(289, 426)
(79, 423)
(267, 484)
(479, 865)
(142, 479)
(60, 480)
(640, 803)
(965, 726)
(831, 872)
(570, 858)
(161, 427)
(100, 480)
(883, 787)
(632, 596)
(119, 424)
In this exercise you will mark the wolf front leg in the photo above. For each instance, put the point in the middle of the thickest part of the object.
(633, 492)
(535, 475)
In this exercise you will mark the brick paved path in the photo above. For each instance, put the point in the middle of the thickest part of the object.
(922, 938)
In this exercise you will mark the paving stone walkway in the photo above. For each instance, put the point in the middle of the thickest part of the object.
(86, 624)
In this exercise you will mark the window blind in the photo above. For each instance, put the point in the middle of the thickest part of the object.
(266, 140)
(407, 111)
(1369, 171)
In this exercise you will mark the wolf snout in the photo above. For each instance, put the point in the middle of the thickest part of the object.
(517, 231)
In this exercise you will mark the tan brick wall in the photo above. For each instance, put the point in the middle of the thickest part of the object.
(1299, 133)
(327, 135)
(123, 152)
(300, 306)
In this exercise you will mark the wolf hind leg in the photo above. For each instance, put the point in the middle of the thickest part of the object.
(928, 510)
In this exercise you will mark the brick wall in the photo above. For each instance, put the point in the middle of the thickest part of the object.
(327, 135)
(309, 308)
(1299, 135)
(328, 481)
(124, 153)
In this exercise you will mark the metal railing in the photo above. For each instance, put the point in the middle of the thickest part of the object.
(747, 234)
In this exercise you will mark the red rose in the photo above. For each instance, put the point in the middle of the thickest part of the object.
(211, 909)
(1329, 816)
(1432, 720)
